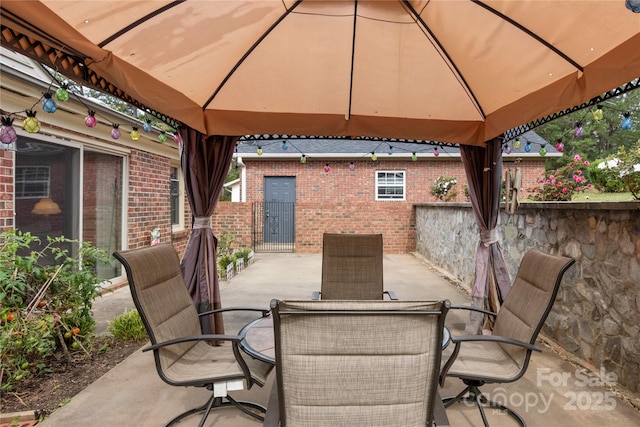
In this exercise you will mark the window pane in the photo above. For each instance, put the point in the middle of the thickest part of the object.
(174, 188)
(390, 185)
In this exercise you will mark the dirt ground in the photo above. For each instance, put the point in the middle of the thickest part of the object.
(44, 394)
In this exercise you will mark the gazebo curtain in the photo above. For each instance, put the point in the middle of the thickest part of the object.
(205, 163)
(483, 167)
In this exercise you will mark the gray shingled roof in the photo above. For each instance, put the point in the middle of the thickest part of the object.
(349, 148)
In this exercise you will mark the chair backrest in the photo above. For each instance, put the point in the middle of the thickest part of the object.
(530, 300)
(162, 299)
(352, 267)
(357, 363)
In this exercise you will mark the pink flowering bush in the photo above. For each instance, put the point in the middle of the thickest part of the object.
(561, 185)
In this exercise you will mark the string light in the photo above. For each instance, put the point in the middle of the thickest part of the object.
(115, 131)
(578, 130)
(48, 104)
(352, 166)
(90, 120)
(527, 147)
(436, 152)
(390, 151)
(414, 157)
(516, 144)
(543, 150)
(326, 167)
(31, 123)
(135, 134)
(285, 146)
(559, 146)
(597, 113)
(303, 159)
(507, 149)
(62, 94)
(8, 134)
(626, 121)
(259, 151)
(147, 126)
(162, 137)
(374, 157)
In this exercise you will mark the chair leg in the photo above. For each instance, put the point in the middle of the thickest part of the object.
(219, 402)
(473, 394)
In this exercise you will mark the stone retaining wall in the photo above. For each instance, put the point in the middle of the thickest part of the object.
(597, 313)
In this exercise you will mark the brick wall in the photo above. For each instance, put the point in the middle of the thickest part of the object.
(342, 200)
(6, 190)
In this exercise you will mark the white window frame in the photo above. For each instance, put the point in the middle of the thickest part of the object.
(382, 178)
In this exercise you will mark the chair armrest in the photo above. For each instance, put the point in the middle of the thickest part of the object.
(392, 295)
(315, 295)
(466, 307)
(492, 338)
(208, 337)
(264, 311)
(495, 338)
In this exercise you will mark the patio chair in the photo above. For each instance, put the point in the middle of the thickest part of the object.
(183, 355)
(357, 363)
(352, 268)
(504, 356)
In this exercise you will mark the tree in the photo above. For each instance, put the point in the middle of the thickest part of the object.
(598, 138)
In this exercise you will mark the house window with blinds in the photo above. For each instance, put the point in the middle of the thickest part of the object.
(390, 185)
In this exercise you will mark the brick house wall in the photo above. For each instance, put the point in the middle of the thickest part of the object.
(342, 200)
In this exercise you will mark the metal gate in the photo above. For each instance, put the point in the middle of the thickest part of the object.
(273, 226)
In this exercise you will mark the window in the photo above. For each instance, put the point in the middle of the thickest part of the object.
(174, 194)
(177, 203)
(390, 185)
(32, 182)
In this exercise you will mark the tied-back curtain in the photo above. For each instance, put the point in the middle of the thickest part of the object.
(205, 161)
(483, 167)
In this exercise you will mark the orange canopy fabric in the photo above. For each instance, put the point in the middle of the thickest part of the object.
(456, 71)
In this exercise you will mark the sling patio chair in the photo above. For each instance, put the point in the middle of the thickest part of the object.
(357, 363)
(183, 355)
(352, 268)
(504, 356)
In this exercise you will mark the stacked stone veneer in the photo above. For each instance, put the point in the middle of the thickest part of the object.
(596, 315)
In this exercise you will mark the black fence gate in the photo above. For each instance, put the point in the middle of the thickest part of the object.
(273, 226)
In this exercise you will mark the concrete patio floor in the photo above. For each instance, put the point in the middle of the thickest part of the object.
(554, 392)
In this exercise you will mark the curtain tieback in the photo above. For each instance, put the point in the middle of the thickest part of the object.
(488, 237)
(202, 222)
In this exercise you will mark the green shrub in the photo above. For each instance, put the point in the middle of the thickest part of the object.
(563, 183)
(242, 253)
(444, 188)
(128, 326)
(46, 294)
(224, 261)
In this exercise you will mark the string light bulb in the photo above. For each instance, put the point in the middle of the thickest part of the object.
(115, 131)
(352, 166)
(516, 144)
(326, 167)
(31, 123)
(559, 146)
(259, 151)
(436, 152)
(543, 150)
(285, 146)
(177, 138)
(135, 134)
(390, 151)
(597, 113)
(62, 94)
(147, 126)
(162, 137)
(48, 104)
(578, 131)
(7, 132)
(374, 157)
(303, 159)
(626, 121)
(527, 147)
(90, 120)
(414, 157)
(507, 149)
